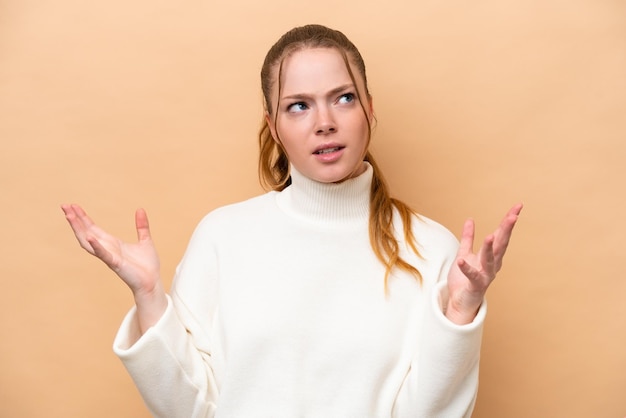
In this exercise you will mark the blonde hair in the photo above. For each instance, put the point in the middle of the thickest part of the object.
(274, 163)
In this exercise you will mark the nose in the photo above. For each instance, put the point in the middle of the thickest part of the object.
(325, 123)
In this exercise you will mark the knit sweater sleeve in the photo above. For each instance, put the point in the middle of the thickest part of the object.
(443, 376)
(171, 363)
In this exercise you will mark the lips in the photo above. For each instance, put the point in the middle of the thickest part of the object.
(327, 149)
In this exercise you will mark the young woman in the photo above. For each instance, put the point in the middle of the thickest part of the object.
(324, 297)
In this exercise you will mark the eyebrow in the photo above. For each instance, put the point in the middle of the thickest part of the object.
(334, 91)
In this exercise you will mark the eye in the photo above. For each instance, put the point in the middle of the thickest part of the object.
(297, 107)
(346, 98)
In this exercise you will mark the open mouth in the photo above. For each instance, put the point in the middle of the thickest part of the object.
(327, 150)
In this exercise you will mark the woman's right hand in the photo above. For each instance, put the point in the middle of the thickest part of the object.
(137, 264)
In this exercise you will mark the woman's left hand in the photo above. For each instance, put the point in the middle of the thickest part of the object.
(472, 273)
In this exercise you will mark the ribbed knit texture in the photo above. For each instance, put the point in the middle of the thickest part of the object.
(343, 203)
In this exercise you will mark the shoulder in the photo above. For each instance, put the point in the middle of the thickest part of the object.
(433, 233)
(244, 208)
(237, 215)
(434, 241)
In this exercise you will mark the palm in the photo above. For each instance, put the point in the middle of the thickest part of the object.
(137, 264)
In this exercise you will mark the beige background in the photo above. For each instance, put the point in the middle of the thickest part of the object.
(480, 104)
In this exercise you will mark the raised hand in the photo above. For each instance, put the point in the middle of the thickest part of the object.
(472, 273)
(137, 264)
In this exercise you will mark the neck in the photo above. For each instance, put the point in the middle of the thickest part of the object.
(346, 202)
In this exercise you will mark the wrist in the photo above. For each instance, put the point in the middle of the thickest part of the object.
(151, 304)
(460, 315)
(148, 294)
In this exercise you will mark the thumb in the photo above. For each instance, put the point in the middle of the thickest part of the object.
(142, 225)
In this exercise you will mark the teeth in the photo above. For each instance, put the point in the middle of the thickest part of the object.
(327, 150)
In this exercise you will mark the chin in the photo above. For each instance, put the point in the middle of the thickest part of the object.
(342, 175)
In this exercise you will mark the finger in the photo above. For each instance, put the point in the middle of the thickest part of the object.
(516, 209)
(487, 257)
(467, 238)
(104, 255)
(72, 217)
(77, 225)
(505, 229)
(472, 273)
(509, 220)
(142, 225)
(82, 215)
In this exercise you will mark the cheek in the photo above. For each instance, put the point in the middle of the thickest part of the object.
(291, 129)
(287, 135)
(361, 126)
(364, 134)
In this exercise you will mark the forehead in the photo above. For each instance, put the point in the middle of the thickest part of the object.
(314, 70)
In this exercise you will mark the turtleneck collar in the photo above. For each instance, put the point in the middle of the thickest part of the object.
(329, 203)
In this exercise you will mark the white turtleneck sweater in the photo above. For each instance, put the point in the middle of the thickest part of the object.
(279, 310)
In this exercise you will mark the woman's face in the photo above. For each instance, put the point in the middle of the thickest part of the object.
(320, 122)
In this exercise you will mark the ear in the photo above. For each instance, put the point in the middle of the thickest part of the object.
(271, 125)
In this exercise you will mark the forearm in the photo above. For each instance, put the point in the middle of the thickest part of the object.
(169, 365)
(443, 379)
(150, 304)
(450, 356)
